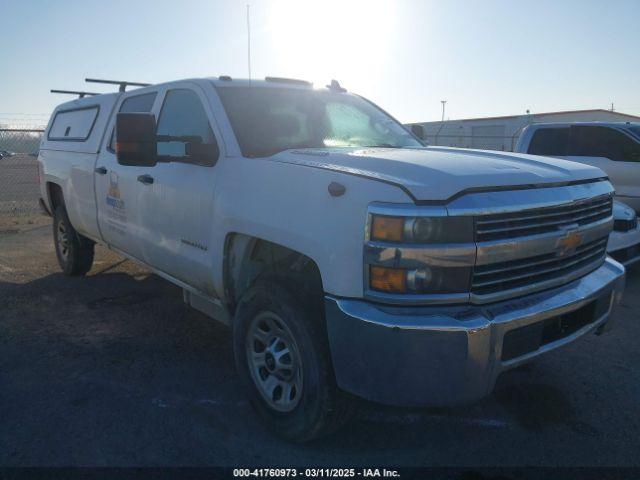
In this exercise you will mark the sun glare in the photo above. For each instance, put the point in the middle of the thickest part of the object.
(316, 39)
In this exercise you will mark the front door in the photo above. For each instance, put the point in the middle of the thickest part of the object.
(177, 209)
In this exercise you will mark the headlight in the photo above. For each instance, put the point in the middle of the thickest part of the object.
(424, 230)
(426, 280)
(419, 255)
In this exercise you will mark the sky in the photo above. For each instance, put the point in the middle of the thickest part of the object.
(486, 58)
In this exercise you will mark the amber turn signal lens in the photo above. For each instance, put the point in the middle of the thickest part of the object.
(387, 228)
(391, 280)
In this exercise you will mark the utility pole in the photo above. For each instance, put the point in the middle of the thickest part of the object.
(612, 109)
(248, 42)
(443, 102)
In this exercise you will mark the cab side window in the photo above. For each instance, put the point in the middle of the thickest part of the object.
(587, 141)
(135, 104)
(549, 141)
(183, 115)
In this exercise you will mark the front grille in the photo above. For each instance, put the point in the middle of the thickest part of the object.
(504, 276)
(542, 220)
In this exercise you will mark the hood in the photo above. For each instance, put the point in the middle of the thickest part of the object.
(439, 173)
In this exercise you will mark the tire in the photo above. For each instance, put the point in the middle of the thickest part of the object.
(74, 252)
(314, 406)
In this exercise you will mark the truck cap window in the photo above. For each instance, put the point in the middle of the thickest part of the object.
(270, 120)
(136, 104)
(73, 125)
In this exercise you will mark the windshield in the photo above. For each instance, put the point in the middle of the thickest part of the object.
(269, 120)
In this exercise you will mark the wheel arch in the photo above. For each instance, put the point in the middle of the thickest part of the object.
(55, 196)
(246, 258)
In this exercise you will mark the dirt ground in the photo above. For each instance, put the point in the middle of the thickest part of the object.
(113, 369)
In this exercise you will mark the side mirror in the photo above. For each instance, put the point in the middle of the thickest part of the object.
(202, 153)
(418, 131)
(136, 143)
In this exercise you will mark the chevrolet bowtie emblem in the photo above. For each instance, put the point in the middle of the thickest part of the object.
(569, 242)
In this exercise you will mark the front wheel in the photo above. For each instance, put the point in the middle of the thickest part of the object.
(283, 358)
(74, 251)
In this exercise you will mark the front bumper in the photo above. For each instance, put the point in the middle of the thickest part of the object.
(439, 355)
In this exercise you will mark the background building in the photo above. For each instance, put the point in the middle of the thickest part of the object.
(501, 133)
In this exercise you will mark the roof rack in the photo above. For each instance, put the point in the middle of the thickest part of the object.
(75, 92)
(289, 80)
(123, 84)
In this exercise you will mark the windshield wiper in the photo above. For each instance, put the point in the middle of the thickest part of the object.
(383, 145)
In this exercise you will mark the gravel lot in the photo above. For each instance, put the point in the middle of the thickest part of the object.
(114, 370)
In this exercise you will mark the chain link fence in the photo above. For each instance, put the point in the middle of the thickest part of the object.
(19, 186)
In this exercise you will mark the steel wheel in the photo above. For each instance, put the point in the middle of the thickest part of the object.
(63, 240)
(274, 362)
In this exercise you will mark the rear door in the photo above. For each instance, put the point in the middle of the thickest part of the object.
(117, 186)
(177, 209)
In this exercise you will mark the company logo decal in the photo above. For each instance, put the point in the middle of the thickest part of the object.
(117, 214)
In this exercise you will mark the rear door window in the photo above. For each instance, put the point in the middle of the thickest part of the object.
(73, 125)
(550, 141)
(135, 104)
(593, 141)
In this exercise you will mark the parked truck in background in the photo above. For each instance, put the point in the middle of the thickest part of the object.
(613, 147)
(348, 259)
(624, 241)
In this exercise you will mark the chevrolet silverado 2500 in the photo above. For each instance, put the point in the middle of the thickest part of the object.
(348, 259)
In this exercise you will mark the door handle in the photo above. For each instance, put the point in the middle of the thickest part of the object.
(146, 179)
(101, 170)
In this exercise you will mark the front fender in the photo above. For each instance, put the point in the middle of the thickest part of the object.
(290, 205)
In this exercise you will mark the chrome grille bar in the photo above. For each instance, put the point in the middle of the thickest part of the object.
(542, 220)
(536, 269)
(527, 263)
(592, 216)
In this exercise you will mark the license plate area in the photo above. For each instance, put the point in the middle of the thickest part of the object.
(527, 339)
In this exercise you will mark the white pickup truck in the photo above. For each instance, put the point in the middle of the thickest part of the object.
(613, 147)
(348, 259)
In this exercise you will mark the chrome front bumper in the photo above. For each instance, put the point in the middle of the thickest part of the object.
(446, 355)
